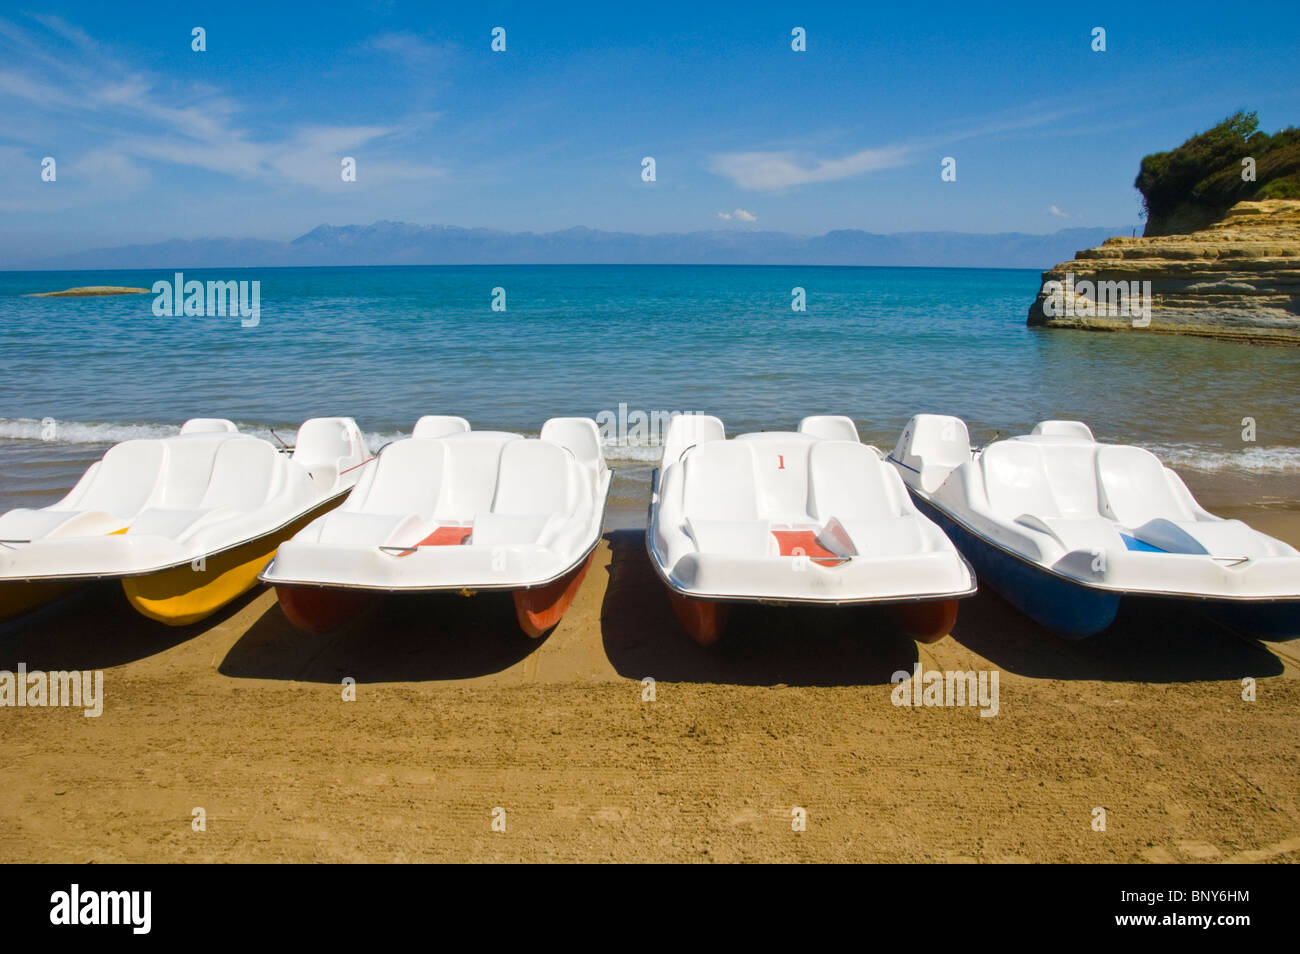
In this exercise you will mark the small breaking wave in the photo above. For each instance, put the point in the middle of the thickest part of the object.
(76, 432)
(1252, 460)
(52, 431)
(617, 452)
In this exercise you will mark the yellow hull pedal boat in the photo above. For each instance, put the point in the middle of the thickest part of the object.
(186, 522)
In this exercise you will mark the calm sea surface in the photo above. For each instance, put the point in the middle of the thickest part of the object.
(385, 345)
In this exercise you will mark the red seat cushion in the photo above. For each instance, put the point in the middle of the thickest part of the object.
(805, 541)
(446, 537)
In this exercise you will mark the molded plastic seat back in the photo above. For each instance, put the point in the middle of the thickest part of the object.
(1015, 479)
(408, 478)
(188, 470)
(125, 479)
(324, 440)
(830, 427)
(1063, 429)
(719, 482)
(470, 478)
(848, 481)
(439, 425)
(1072, 473)
(780, 467)
(688, 430)
(1134, 488)
(536, 478)
(243, 475)
(931, 445)
(209, 425)
(580, 435)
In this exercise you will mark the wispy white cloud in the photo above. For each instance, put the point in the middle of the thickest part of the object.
(1057, 212)
(740, 215)
(68, 31)
(772, 171)
(107, 166)
(417, 52)
(133, 118)
(775, 170)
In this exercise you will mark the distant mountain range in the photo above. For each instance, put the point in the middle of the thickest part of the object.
(401, 243)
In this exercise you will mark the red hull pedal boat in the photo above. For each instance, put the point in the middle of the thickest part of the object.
(450, 508)
(805, 516)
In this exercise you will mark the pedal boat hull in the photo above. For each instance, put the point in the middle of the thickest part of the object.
(473, 544)
(705, 620)
(322, 609)
(1063, 606)
(1076, 611)
(185, 594)
(918, 589)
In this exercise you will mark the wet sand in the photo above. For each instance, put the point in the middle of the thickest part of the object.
(457, 715)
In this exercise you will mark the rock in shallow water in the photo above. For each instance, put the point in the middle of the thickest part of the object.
(89, 290)
(1238, 278)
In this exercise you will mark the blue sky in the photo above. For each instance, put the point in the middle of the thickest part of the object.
(155, 141)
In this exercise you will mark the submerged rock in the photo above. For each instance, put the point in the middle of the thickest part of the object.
(88, 290)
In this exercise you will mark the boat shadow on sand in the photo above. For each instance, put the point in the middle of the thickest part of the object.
(96, 628)
(622, 619)
(413, 638)
(1150, 641)
(763, 645)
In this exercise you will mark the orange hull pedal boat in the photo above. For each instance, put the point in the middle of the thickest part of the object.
(450, 508)
(806, 516)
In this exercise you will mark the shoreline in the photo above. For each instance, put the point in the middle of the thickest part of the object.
(35, 473)
(1290, 340)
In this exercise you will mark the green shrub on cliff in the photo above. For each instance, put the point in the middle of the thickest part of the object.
(1195, 184)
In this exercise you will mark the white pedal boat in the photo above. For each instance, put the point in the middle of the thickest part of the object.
(812, 516)
(185, 522)
(1065, 528)
(450, 508)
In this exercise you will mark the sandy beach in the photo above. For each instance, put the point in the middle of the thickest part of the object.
(457, 715)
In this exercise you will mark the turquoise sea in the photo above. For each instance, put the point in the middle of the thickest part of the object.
(385, 345)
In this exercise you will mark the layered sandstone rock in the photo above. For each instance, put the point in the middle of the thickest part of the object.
(1238, 278)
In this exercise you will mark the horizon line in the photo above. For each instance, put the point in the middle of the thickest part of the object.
(210, 268)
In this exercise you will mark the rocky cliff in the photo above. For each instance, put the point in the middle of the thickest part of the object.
(1238, 278)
